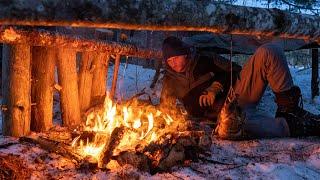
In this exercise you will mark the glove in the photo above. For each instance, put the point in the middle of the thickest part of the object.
(207, 99)
(209, 95)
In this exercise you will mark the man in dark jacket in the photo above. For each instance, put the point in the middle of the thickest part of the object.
(201, 83)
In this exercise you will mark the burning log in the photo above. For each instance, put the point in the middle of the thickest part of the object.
(52, 39)
(68, 79)
(176, 156)
(43, 67)
(115, 76)
(98, 90)
(16, 81)
(191, 15)
(114, 141)
(85, 80)
(138, 160)
(170, 150)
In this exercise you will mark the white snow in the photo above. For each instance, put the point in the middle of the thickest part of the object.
(283, 158)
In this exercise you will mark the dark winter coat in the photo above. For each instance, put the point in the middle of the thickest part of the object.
(200, 73)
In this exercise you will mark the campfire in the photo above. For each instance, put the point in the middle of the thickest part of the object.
(138, 134)
(132, 124)
(132, 132)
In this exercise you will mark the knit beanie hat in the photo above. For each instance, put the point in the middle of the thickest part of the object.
(173, 46)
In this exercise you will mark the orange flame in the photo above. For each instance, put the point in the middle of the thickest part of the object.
(144, 124)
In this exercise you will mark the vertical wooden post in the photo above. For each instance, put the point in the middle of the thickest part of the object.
(16, 89)
(43, 66)
(69, 95)
(315, 73)
(85, 80)
(99, 81)
(115, 76)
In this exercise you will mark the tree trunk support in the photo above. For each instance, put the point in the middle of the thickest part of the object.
(68, 79)
(99, 81)
(43, 67)
(16, 89)
(115, 76)
(85, 80)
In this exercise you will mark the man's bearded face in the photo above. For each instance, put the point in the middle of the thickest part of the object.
(178, 63)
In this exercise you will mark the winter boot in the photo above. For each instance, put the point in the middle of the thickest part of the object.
(300, 121)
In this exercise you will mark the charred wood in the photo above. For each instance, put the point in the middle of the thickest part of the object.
(53, 146)
(137, 160)
(113, 142)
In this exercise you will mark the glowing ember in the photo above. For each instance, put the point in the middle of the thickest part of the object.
(143, 123)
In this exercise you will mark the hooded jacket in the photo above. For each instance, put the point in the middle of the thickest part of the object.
(201, 72)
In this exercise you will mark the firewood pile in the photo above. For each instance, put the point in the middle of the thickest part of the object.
(170, 150)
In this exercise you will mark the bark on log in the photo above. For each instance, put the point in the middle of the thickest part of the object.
(68, 79)
(99, 81)
(115, 76)
(169, 150)
(139, 161)
(50, 39)
(170, 15)
(85, 80)
(114, 141)
(53, 146)
(17, 89)
(315, 73)
(43, 67)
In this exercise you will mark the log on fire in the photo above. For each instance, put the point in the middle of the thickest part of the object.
(113, 142)
(170, 150)
(190, 15)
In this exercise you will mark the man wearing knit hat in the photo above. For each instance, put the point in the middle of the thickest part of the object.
(201, 83)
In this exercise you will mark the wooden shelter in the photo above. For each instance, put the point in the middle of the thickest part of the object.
(30, 56)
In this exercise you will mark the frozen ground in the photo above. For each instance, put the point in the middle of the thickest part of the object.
(285, 158)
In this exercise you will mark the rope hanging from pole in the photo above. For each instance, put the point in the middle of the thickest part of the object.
(230, 59)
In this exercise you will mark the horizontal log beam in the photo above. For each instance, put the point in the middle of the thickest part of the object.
(12, 35)
(172, 15)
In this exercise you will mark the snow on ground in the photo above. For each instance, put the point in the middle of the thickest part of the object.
(284, 158)
(132, 79)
